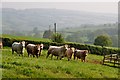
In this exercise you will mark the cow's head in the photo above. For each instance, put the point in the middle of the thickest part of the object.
(38, 47)
(66, 47)
(63, 49)
(23, 44)
(41, 46)
(85, 52)
(72, 49)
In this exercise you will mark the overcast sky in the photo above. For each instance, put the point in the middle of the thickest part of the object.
(60, 0)
(100, 7)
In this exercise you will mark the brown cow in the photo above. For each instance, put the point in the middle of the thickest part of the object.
(69, 53)
(34, 49)
(80, 54)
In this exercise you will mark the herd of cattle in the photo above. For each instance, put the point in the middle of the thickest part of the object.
(58, 51)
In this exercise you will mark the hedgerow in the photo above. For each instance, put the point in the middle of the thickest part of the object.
(92, 48)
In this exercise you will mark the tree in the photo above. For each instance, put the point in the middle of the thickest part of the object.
(103, 40)
(47, 34)
(57, 37)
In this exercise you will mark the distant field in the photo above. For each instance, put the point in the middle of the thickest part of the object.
(91, 28)
(26, 38)
(14, 66)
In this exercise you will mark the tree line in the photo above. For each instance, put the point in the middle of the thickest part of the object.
(87, 35)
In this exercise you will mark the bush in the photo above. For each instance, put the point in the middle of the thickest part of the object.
(57, 37)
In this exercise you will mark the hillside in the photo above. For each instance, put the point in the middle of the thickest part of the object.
(27, 19)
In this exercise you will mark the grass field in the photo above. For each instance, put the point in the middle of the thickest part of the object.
(14, 66)
(25, 38)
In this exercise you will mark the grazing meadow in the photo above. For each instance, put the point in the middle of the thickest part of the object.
(15, 66)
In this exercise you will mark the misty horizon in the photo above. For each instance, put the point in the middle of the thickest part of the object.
(95, 7)
(62, 9)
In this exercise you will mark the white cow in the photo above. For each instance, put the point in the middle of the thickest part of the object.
(18, 47)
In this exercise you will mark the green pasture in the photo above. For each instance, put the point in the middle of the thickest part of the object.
(15, 66)
(25, 38)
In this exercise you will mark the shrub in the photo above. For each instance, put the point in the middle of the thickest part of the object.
(57, 37)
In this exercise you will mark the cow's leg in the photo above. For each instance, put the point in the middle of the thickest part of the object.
(60, 57)
(37, 55)
(74, 57)
(81, 60)
(47, 55)
(22, 54)
(12, 51)
(84, 60)
(68, 59)
(18, 53)
(57, 57)
(33, 55)
(28, 54)
(51, 56)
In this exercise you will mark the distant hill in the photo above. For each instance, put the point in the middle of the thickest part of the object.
(26, 19)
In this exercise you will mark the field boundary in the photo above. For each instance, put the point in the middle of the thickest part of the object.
(98, 50)
(112, 58)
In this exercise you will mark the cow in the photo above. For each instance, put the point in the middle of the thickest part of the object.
(34, 49)
(58, 51)
(80, 54)
(50, 49)
(69, 53)
(18, 47)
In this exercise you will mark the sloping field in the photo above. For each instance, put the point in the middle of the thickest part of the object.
(15, 66)
(25, 38)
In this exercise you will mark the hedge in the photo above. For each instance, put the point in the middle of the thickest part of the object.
(92, 48)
